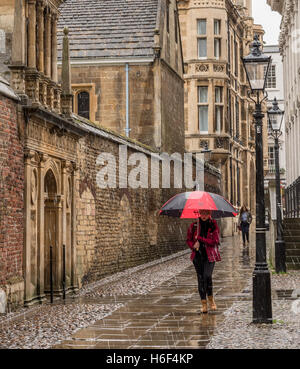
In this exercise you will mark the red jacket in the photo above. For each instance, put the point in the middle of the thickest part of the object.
(211, 243)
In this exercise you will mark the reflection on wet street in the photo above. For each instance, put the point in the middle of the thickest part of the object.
(169, 316)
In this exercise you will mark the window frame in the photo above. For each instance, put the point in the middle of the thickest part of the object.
(219, 23)
(201, 36)
(271, 78)
(89, 103)
(219, 106)
(271, 157)
(220, 47)
(201, 104)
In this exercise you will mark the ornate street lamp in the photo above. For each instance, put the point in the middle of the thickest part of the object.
(275, 115)
(257, 67)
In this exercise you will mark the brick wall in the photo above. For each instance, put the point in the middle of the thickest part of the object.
(11, 194)
(119, 228)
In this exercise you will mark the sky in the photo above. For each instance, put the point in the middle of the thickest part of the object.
(270, 21)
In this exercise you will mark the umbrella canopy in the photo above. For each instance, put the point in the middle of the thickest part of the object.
(188, 204)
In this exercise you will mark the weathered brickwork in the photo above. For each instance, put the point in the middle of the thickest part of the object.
(119, 228)
(11, 195)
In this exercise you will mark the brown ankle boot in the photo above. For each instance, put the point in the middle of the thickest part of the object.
(212, 304)
(204, 306)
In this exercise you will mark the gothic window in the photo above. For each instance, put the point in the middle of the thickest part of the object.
(83, 104)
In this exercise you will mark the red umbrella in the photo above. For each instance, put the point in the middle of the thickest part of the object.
(188, 204)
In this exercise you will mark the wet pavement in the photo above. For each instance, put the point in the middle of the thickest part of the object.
(169, 315)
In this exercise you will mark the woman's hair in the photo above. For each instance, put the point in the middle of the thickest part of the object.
(243, 209)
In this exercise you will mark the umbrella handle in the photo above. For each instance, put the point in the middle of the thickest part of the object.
(198, 230)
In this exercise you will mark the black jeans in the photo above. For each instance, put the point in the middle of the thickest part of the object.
(245, 231)
(204, 271)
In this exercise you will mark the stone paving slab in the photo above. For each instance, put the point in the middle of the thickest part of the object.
(169, 315)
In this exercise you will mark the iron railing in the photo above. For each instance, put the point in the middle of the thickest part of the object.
(292, 196)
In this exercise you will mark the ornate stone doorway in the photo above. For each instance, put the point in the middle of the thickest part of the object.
(50, 221)
(51, 231)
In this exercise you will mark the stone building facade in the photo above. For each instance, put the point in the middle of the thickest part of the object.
(51, 156)
(289, 50)
(218, 112)
(127, 69)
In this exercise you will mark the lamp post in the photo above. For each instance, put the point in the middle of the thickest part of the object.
(257, 67)
(275, 115)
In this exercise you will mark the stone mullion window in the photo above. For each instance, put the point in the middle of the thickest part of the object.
(202, 38)
(203, 108)
(237, 118)
(219, 109)
(217, 39)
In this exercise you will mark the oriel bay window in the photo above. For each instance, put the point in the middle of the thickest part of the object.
(202, 41)
(218, 109)
(203, 109)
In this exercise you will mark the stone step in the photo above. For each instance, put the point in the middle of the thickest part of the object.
(291, 238)
(293, 259)
(291, 219)
(292, 252)
(292, 266)
(291, 223)
(291, 232)
(292, 245)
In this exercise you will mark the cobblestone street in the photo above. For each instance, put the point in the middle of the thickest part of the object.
(169, 316)
(157, 305)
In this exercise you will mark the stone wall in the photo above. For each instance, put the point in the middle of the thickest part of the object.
(119, 228)
(107, 88)
(172, 96)
(11, 202)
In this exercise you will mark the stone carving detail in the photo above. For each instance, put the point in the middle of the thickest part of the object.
(203, 144)
(69, 193)
(33, 187)
(218, 68)
(202, 67)
(221, 143)
(48, 136)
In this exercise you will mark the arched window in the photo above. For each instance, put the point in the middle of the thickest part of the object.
(83, 104)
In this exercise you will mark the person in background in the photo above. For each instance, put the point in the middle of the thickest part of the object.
(245, 219)
(203, 238)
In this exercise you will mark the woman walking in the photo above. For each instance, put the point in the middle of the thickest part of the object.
(245, 219)
(203, 238)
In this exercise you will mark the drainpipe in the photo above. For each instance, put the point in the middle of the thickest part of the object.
(127, 129)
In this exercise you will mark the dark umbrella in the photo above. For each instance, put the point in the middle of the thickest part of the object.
(188, 204)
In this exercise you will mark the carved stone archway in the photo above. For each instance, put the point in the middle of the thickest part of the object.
(50, 220)
(52, 231)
